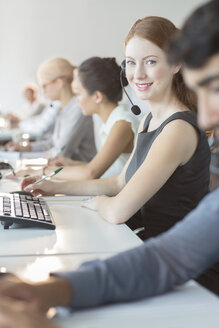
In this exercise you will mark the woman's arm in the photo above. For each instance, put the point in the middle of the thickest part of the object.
(107, 186)
(120, 140)
(63, 161)
(173, 147)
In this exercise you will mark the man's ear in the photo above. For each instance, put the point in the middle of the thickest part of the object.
(176, 68)
(98, 97)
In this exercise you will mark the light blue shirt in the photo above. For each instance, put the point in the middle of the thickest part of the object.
(155, 267)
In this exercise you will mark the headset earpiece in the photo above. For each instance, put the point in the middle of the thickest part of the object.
(123, 67)
(123, 74)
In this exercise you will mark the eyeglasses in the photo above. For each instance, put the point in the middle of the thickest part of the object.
(44, 85)
(6, 166)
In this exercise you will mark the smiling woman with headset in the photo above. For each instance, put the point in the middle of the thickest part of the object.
(168, 172)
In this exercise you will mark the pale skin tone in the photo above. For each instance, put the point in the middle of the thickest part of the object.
(31, 96)
(97, 103)
(150, 76)
(205, 82)
(57, 89)
(16, 314)
(25, 305)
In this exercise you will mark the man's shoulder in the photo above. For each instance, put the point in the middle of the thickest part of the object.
(214, 194)
(210, 202)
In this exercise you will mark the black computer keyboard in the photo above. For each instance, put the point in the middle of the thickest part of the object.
(26, 210)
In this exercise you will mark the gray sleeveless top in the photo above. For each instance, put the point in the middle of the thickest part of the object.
(182, 191)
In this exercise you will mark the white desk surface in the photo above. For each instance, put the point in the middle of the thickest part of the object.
(78, 230)
(18, 159)
(189, 306)
(37, 268)
(6, 134)
(8, 185)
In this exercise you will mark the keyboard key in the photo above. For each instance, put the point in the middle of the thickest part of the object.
(41, 217)
(18, 213)
(26, 214)
(33, 216)
(7, 209)
(48, 218)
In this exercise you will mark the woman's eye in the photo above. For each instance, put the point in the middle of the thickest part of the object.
(151, 62)
(130, 62)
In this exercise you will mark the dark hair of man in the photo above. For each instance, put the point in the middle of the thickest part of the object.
(101, 74)
(198, 39)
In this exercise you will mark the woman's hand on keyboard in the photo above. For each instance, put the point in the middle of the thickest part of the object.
(45, 188)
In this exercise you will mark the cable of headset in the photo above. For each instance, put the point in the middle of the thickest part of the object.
(135, 109)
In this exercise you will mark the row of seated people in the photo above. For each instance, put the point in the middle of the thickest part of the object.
(166, 174)
(165, 178)
(73, 134)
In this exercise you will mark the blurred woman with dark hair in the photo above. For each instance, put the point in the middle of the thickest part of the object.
(98, 89)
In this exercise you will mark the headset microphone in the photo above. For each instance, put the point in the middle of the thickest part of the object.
(135, 109)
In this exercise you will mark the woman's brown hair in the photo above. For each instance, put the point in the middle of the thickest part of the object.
(160, 31)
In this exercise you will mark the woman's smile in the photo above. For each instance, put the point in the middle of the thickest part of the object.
(143, 86)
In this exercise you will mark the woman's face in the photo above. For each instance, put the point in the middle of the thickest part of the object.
(86, 101)
(147, 69)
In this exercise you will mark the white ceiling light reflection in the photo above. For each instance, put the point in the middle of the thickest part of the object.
(41, 267)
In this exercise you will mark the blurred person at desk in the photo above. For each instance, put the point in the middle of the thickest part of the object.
(161, 263)
(72, 129)
(33, 106)
(98, 89)
(42, 123)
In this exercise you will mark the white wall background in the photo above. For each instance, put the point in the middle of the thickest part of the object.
(32, 31)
